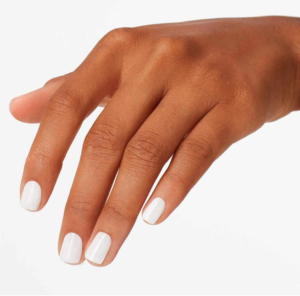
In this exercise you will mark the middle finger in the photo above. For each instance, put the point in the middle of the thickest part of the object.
(101, 155)
(143, 159)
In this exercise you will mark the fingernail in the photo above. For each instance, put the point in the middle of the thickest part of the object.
(71, 248)
(99, 247)
(154, 210)
(31, 196)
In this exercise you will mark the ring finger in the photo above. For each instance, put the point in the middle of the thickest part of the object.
(143, 159)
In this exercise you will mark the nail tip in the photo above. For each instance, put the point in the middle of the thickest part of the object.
(25, 207)
(145, 219)
(31, 196)
(149, 222)
(86, 257)
(91, 261)
(70, 262)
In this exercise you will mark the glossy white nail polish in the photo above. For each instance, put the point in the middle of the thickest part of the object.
(99, 247)
(71, 248)
(154, 210)
(31, 196)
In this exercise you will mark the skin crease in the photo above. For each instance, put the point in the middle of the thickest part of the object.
(183, 90)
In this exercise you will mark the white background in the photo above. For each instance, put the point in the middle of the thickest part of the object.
(238, 231)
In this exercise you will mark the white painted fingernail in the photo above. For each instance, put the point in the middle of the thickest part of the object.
(31, 196)
(71, 248)
(99, 247)
(154, 210)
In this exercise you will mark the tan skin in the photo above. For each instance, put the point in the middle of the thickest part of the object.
(185, 90)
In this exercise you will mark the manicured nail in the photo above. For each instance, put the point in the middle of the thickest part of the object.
(154, 210)
(71, 248)
(98, 249)
(31, 196)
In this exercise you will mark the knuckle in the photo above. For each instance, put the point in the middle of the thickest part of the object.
(118, 210)
(104, 139)
(80, 206)
(64, 102)
(167, 53)
(197, 149)
(168, 47)
(39, 158)
(121, 37)
(144, 151)
(177, 177)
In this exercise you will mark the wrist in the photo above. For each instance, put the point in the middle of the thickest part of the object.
(292, 31)
(283, 74)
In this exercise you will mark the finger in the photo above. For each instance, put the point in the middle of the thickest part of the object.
(72, 102)
(101, 155)
(203, 145)
(142, 161)
(30, 107)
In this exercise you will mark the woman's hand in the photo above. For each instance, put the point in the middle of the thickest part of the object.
(187, 90)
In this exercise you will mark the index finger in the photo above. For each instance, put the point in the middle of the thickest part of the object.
(72, 102)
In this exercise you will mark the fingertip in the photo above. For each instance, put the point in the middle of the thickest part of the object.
(92, 263)
(12, 108)
(97, 265)
(28, 108)
(70, 263)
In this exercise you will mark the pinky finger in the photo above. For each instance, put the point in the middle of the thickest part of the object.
(203, 145)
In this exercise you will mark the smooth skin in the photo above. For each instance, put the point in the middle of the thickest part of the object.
(183, 90)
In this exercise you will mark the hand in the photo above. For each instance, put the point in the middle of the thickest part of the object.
(187, 90)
